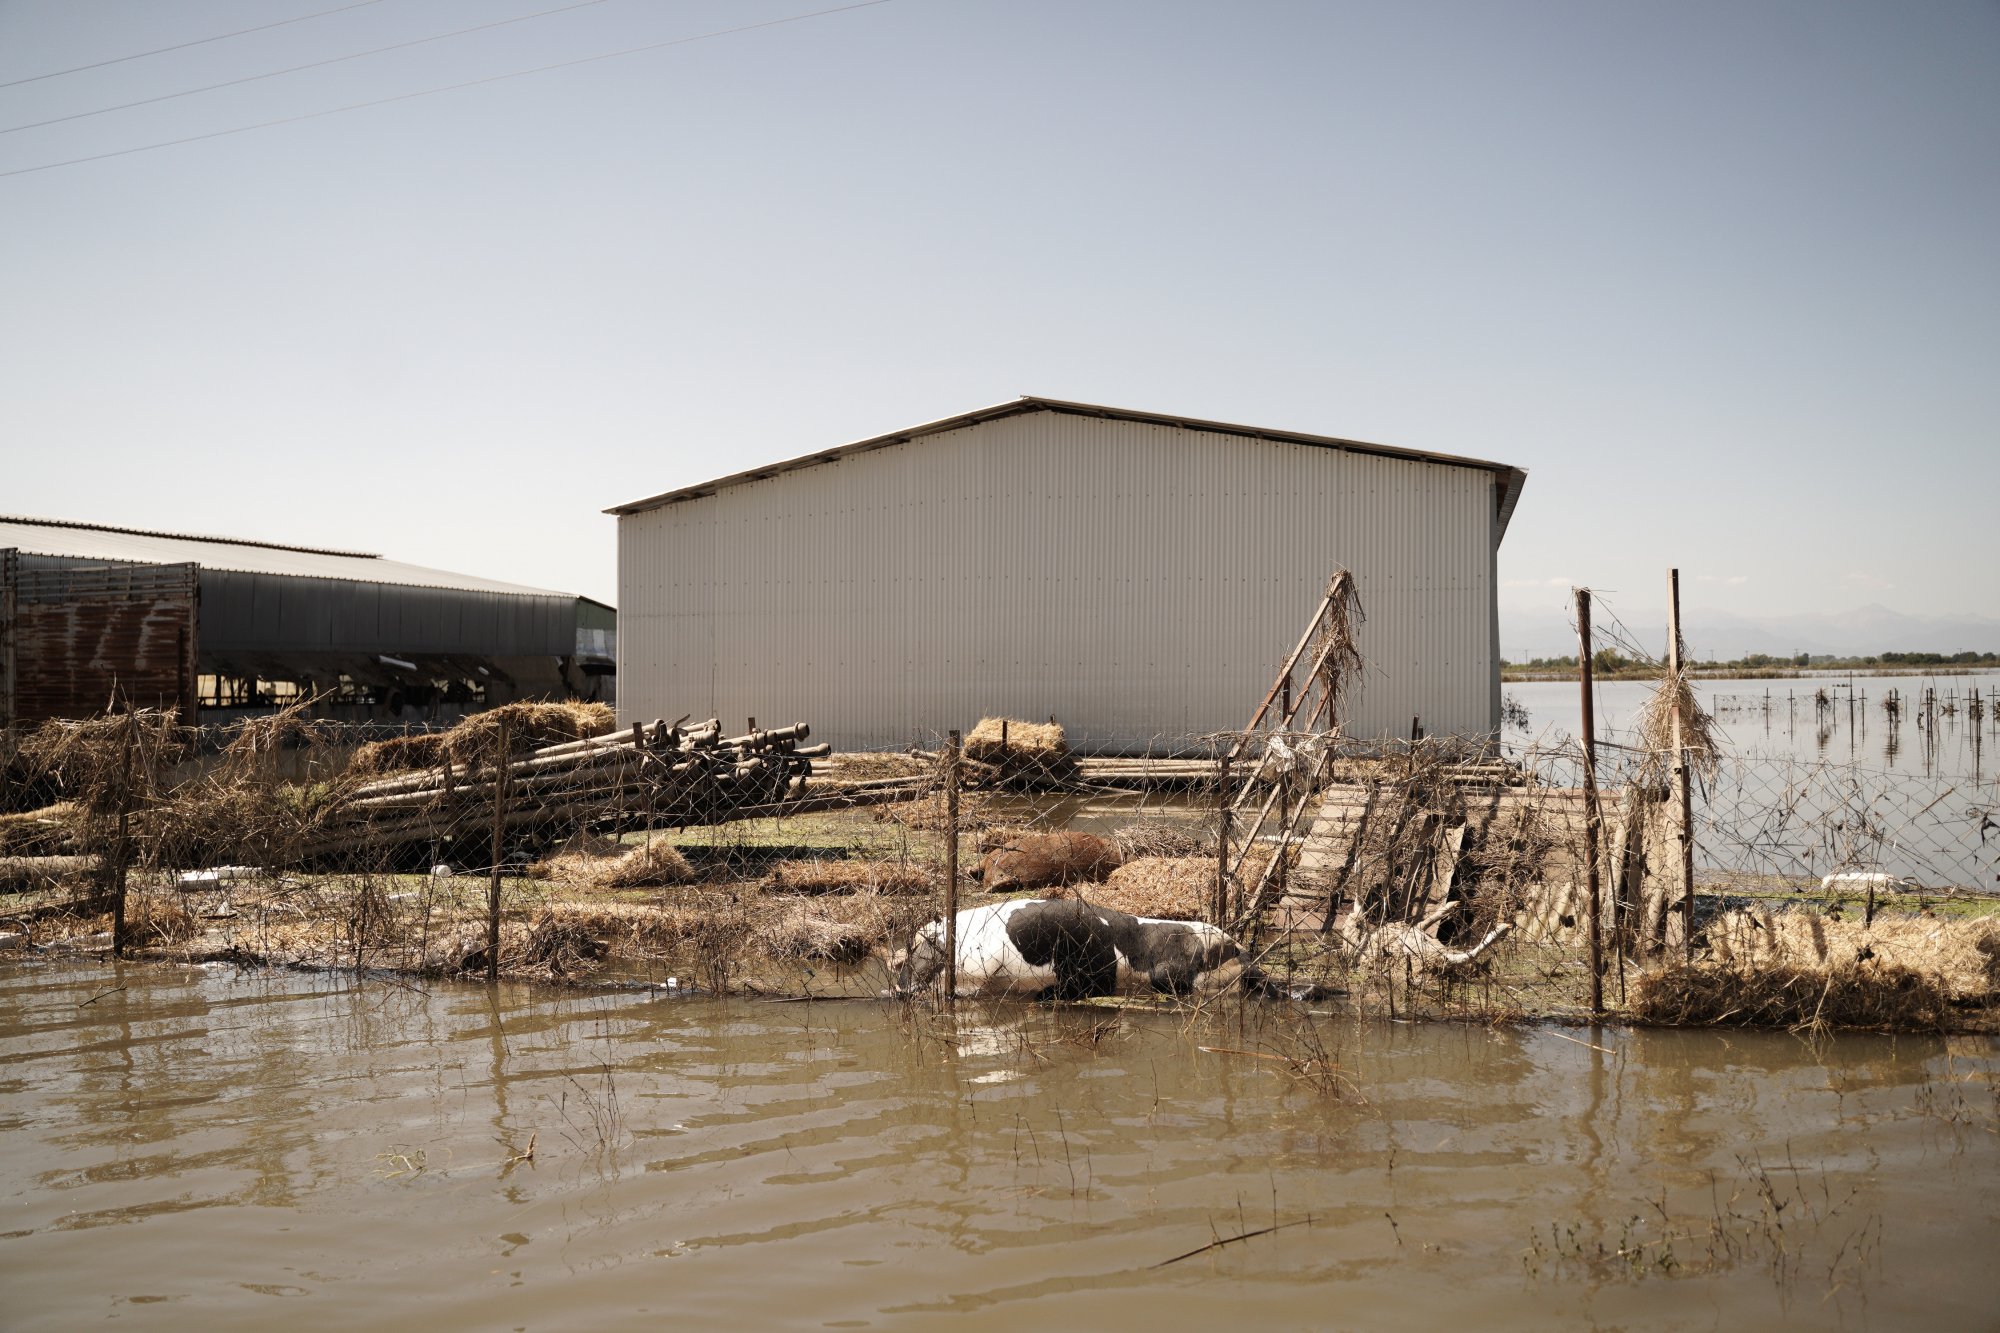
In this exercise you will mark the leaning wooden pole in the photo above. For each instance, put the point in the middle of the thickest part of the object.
(1683, 794)
(1592, 816)
(500, 763)
(951, 869)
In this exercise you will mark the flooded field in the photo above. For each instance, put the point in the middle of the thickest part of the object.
(208, 1147)
(1779, 717)
(1818, 774)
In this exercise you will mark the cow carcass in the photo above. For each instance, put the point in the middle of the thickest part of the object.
(1064, 949)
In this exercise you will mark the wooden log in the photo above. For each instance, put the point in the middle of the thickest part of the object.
(37, 871)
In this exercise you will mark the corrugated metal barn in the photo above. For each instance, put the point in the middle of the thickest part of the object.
(84, 610)
(1138, 576)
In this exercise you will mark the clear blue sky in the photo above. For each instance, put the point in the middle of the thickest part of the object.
(1724, 277)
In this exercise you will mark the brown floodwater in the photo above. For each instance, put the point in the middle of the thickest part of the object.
(211, 1148)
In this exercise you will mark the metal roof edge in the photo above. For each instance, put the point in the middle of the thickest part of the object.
(367, 568)
(1510, 482)
(35, 520)
(1029, 403)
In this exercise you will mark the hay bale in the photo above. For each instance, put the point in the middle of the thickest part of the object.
(1173, 888)
(1035, 754)
(1867, 994)
(655, 865)
(425, 749)
(1037, 740)
(530, 725)
(1036, 860)
(849, 876)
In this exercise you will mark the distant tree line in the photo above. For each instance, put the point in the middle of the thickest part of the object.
(1610, 663)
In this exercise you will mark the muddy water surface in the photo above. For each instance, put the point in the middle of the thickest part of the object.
(208, 1148)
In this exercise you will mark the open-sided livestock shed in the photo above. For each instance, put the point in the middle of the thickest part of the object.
(1138, 576)
(226, 625)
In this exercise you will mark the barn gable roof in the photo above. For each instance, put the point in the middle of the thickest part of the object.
(1508, 480)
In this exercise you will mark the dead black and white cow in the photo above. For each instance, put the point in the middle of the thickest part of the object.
(1064, 949)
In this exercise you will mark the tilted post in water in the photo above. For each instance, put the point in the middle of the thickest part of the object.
(951, 868)
(1683, 795)
(502, 753)
(1591, 815)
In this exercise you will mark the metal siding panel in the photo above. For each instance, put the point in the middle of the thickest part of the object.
(1137, 580)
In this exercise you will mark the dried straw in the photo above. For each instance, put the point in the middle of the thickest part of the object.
(530, 725)
(1871, 994)
(1158, 838)
(930, 815)
(851, 876)
(49, 831)
(1335, 650)
(1655, 727)
(1173, 888)
(1029, 740)
(655, 865)
(1962, 956)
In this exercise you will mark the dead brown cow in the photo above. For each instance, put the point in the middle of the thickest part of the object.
(1037, 860)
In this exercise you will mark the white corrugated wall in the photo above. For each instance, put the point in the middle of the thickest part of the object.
(1140, 582)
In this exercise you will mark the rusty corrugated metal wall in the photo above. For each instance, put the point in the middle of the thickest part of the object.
(78, 637)
(1139, 581)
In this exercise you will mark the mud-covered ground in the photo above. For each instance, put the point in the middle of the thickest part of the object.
(814, 905)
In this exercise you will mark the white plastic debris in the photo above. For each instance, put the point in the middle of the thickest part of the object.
(442, 871)
(1867, 879)
(206, 879)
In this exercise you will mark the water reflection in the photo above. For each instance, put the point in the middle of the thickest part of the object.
(354, 1150)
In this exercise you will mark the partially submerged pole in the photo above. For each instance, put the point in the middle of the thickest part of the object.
(121, 857)
(951, 747)
(1219, 915)
(500, 761)
(1683, 795)
(1592, 818)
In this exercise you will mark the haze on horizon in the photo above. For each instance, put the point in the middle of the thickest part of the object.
(1723, 278)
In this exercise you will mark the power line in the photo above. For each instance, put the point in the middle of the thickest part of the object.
(182, 46)
(316, 64)
(448, 88)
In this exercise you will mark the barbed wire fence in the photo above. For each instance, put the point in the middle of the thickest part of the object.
(537, 840)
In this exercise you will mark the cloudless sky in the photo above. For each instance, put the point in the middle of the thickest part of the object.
(1724, 277)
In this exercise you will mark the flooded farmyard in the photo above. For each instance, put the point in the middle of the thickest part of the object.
(241, 1148)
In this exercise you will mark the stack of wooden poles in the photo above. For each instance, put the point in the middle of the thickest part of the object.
(654, 775)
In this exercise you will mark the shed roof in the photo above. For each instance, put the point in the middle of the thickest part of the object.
(1510, 479)
(64, 539)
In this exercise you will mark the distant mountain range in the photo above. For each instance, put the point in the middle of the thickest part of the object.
(1720, 635)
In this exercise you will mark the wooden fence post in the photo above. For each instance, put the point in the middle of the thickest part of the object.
(1592, 817)
(122, 854)
(1683, 794)
(1220, 915)
(951, 869)
(501, 764)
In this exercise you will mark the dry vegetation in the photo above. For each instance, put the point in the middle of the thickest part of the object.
(472, 741)
(718, 905)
